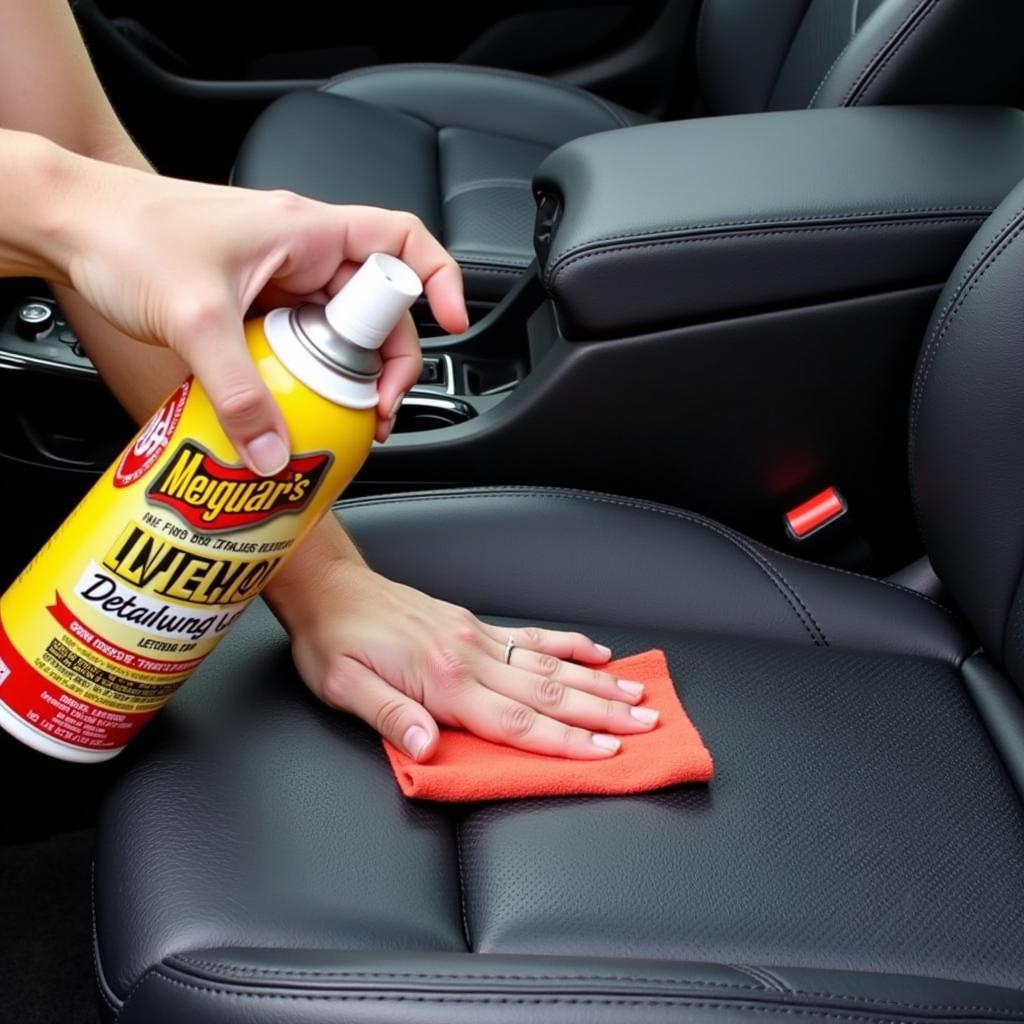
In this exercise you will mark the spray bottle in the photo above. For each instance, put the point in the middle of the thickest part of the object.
(177, 538)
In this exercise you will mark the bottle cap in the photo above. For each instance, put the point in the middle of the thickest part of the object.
(374, 300)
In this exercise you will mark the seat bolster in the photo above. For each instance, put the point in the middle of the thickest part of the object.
(341, 151)
(562, 555)
(922, 51)
(258, 985)
(491, 100)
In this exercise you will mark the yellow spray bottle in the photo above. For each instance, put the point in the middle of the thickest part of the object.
(175, 540)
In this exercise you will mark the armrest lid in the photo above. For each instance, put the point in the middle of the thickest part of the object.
(666, 223)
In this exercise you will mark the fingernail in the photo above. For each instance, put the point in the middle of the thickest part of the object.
(633, 689)
(397, 406)
(605, 652)
(646, 715)
(268, 454)
(415, 740)
(605, 742)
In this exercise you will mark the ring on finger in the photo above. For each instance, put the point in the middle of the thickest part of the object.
(510, 646)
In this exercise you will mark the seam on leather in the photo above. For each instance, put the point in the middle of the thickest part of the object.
(462, 886)
(270, 972)
(735, 236)
(150, 972)
(774, 574)
(700, 60)
(480, 268)
(621, 121)
(106, 992)
(851, 221)
(475, 186)
(653, 1001)
(767, 981)
(828, 74)
(965, 286)
(909, 591)
(782, 986)
(761, 975)
(885, 53)
(525, 491)
(811, 218)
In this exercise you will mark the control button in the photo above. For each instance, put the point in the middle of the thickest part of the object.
(433, 371)
(77, 350)
(35, 320)
(67, 337)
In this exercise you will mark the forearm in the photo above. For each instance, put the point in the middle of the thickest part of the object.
(35, 176)
(48, 85)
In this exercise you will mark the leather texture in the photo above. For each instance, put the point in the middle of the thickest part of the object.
(456, 145)
(697, 574)
(967, 433)
(768, 210)
(257, 863)
(464, 159)
(791, 54)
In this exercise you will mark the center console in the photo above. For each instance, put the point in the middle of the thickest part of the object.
(724, 315)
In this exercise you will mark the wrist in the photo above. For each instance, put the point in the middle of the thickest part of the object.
(326, 561)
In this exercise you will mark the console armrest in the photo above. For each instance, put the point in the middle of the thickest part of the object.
(661, 225)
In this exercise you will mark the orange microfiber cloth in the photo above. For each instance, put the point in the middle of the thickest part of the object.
(466, 767)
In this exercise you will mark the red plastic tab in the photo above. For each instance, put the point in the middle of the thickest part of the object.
(813, 515)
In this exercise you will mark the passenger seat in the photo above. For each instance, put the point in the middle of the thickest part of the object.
(458, 145)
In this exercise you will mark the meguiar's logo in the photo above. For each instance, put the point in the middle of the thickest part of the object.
(211, 496)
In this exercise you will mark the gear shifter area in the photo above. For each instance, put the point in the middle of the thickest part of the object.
(35, 333)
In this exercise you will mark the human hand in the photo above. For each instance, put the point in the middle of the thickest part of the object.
(179, 263)
(404, 662)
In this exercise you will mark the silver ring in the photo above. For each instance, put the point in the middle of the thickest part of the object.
(510, 646)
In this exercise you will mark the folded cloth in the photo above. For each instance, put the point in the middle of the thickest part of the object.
(466, 767)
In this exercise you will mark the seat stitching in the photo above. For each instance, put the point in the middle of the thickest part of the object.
(101, 981)
(968, 282)
(823, 219)
(782, 986)
(552, 274)
(825, 78)
(522, 1001)
(873, 68)
(753, 972)
(597, 497)
(775, 576)
(439, 976)
(874, 579)
(462, 885)
(483, 268)
(761, 975)
(700, 58)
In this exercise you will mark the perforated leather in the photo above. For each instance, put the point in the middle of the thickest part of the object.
(860, 838)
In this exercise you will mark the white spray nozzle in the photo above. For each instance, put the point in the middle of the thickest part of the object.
(375, 299)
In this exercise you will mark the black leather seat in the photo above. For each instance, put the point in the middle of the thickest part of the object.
(458, 145)
(858, 857)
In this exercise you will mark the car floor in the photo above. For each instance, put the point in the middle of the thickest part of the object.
(46, 939)
(46, 844)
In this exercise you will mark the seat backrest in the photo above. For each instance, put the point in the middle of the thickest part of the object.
(966, 435)
(757, 55)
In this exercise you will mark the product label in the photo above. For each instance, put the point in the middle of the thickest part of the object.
(212, 496)
(155, 566)
(152, 440)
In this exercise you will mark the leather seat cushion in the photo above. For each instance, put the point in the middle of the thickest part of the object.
(456, 145)
(859, 820)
